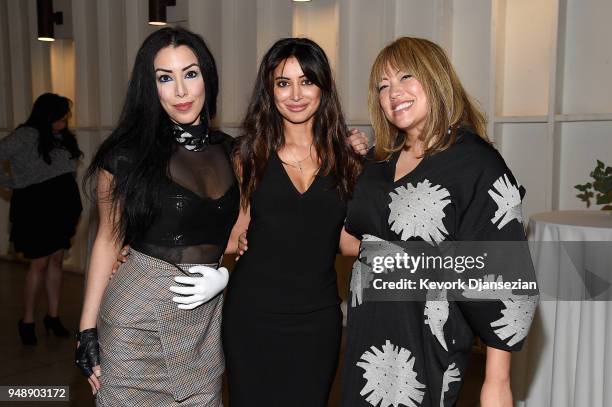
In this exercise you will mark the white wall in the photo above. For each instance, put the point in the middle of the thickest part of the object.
(535, 66)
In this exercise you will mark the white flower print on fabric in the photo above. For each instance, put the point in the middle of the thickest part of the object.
(377, 247)
(362, 274)
(436, 313)
(517, 314)
(508, 199)
(451, 374)
(418, 211)
(357, 282)
(391, 377)
(517, 318)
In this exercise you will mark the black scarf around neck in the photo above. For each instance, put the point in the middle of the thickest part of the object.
(192, 138)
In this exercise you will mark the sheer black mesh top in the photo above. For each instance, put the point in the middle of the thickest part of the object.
(199, 205)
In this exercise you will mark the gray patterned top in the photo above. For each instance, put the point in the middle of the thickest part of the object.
(20, 148)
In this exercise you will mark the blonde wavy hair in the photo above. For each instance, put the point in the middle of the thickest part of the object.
(449, 105)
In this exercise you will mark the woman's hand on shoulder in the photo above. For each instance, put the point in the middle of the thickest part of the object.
(358, 141)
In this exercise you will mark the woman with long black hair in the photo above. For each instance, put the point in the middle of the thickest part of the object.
(165, 186)
(45, 203)
(282, 321)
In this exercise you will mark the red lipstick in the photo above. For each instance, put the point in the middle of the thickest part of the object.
(183, 106)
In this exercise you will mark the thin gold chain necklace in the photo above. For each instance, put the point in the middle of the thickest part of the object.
(298, 163)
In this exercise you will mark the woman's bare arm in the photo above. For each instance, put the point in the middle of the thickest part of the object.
(103, 255)
(240, 227)
(496, 387)
(244, 217)
(349, 244)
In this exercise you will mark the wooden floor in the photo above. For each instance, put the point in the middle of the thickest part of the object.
(51, 361)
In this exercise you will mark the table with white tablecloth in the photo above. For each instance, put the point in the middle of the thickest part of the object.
(567, 358)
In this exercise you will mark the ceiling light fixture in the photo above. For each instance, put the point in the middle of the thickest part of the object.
(46, 19)
(157, 11)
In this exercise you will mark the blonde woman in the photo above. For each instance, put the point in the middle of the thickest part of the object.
(435, 177)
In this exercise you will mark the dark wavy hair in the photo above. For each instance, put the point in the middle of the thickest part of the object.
(263, 124)
(143, 134)
(47, 109)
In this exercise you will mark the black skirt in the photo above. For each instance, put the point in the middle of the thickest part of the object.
(279, 360)
(44, 216)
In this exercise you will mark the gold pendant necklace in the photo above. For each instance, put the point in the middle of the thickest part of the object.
(298, 163)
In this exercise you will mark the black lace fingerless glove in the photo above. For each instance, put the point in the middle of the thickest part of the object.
(87, 354)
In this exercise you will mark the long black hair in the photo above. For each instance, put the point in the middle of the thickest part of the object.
(47, 109)
(143, 134)
(263, 124)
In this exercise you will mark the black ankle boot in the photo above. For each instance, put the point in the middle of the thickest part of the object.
(26, 333)
(54, 324)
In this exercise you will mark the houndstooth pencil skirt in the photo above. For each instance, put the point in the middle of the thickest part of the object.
(152, 353)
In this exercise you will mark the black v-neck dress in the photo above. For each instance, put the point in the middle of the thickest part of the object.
(281, 320)
(415, 353)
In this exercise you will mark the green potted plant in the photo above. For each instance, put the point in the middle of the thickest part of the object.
(600, 188)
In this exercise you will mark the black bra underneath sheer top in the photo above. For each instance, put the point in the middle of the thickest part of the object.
(199, 205)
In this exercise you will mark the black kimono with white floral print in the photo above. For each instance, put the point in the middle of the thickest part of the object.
(415, 353)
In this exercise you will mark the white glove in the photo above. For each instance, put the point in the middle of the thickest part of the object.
(201, 289)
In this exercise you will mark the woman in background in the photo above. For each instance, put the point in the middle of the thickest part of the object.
(45, 203)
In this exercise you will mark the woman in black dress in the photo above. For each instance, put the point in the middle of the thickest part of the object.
(435, 178)
(45, 203)
(282, 321)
